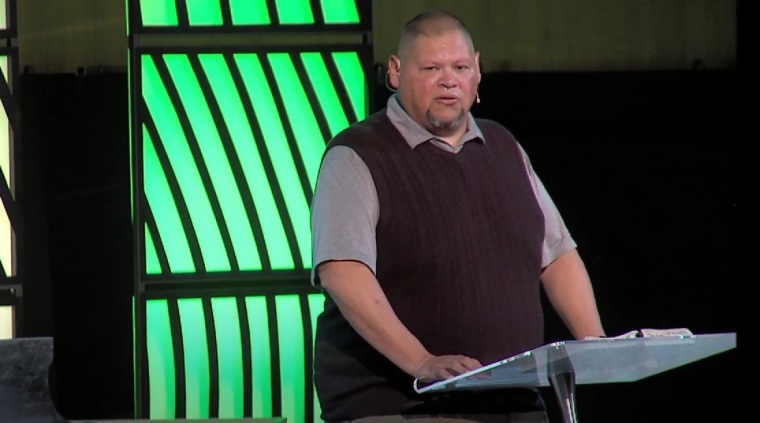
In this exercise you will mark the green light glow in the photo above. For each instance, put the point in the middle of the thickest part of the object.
(228, 97)
(158, 12)
(204, 12)
(182, 161)
(249, 12)
(216, 160)
(328, 98)
(230, 357)
(290, 337)
(258, 88)
(136, 370)
(340, 12)
(316, 306)
(152, 264)
(350, 69)
(310, 142)
(261, 355)
(160, 360)
(195, 345)
(295, 12)
(165, 212)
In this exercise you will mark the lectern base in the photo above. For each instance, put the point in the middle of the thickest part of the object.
(564, 387)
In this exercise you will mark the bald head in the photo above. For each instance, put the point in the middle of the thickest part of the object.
(429, 24)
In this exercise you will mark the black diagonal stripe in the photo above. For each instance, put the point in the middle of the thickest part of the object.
(340, 87)
(274, 345)
(9, 102)
(213, 359)
(266, 161)
(171, 178)
(155, 235)
(179, 359)
(235, 165)
(245, 339)
(288, 128)
(316, 11)
(274, 17)
(192, 143)
(226, 14)
(183, 19)
(311, 94)
(3, 275)
(8, 202)
(308, 358)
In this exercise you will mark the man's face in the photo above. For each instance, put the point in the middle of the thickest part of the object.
(438, 81)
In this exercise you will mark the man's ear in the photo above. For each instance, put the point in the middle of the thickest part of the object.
(394, 66)
(477, 64)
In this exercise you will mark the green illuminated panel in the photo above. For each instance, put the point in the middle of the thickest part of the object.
(3, 16)
(4, 128)
(152, 264)
(160, 360)
(350, 69)
(295, 12)
(230, 354)
(165, 213)
(204, 12)
(163, 13)
(310, 142)
(258, 88)
(238, 125)
(6, 230)
(340, 12)
(261, 356)
(290, 337)
(249, 12)
(316, 306)
(195, 346)
(217, 162)
(183, 163)
(328, 97)
(158, 12)
(226, 142)
(228, 339)
(6, 322)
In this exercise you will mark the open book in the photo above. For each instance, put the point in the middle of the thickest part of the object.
(648, 333)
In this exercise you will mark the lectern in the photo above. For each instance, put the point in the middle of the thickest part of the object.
(563, 365)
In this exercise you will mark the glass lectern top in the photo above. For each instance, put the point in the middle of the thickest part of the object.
(606, 360)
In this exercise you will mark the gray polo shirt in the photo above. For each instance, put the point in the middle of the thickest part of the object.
(345, 207)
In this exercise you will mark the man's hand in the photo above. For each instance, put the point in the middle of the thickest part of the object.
(444, 367)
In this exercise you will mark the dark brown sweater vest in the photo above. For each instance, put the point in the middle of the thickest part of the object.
(459, 241)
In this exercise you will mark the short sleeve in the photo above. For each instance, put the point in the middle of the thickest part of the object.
(557, 239)
(344, 211)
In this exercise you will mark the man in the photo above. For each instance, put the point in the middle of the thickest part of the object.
(432, 239)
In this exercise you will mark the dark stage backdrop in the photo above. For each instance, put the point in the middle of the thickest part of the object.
(75, 186)
(640, 164)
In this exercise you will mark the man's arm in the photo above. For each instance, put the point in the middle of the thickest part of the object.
(568, 287)
(362, 302)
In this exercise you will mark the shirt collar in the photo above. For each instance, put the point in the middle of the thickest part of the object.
(414, 134)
